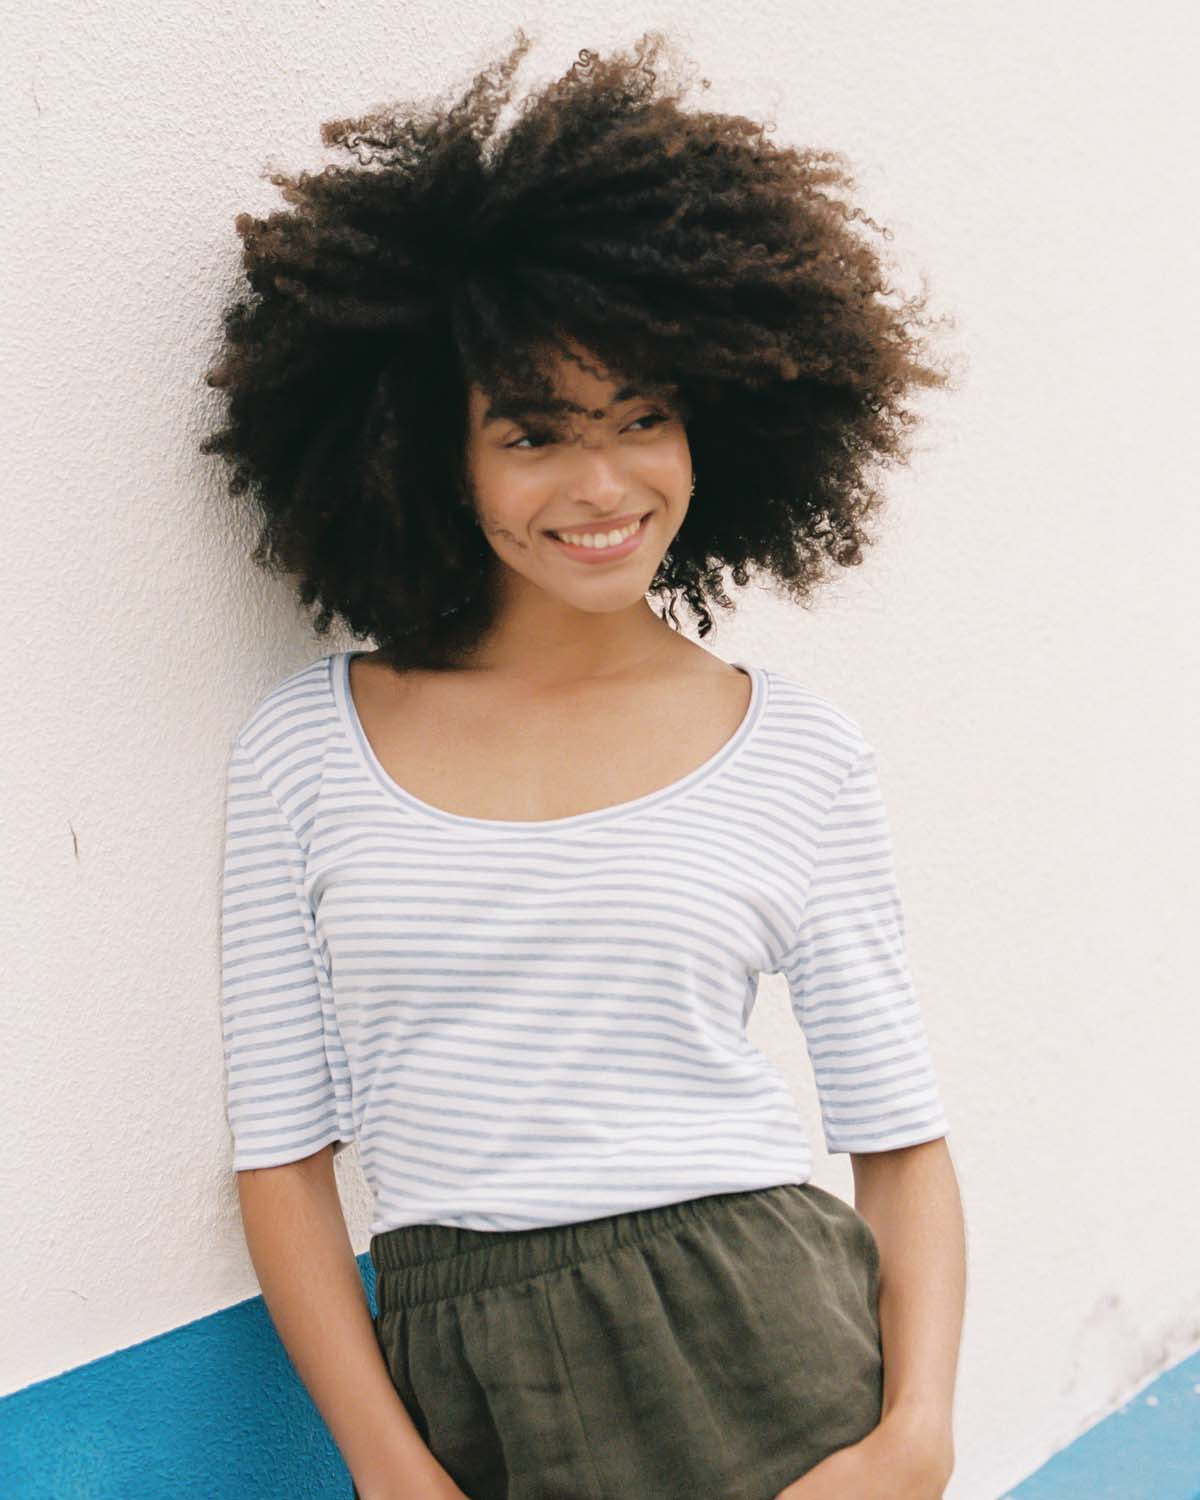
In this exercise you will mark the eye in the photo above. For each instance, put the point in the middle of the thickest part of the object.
(540, 437)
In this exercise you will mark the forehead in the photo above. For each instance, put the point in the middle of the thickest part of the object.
(556, 381)
(573, 393)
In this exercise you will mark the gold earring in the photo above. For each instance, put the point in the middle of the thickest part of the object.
(692, 491)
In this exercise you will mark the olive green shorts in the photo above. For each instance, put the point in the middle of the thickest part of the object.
(717, 1347)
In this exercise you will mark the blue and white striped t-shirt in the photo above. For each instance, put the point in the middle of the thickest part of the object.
(535, 1023)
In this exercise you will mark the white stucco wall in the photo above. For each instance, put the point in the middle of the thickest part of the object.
(1022, 646)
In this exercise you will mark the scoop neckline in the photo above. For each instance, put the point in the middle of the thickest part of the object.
(348, 715)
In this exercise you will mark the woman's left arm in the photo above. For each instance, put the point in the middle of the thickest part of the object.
(909, 1196)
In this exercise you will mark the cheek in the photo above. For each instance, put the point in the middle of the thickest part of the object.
(503, 535)
(505, 521)
(493, 499)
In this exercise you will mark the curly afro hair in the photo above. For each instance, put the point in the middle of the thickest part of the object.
(681, 247)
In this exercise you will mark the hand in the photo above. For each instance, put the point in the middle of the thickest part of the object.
(898, 1460)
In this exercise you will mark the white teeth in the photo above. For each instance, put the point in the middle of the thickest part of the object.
(599, 538)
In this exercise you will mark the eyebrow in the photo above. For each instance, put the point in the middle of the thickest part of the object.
(503, 410)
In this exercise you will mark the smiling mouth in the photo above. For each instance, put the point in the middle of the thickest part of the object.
(598, 541)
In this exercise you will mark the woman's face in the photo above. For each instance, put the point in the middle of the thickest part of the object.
(621, 464)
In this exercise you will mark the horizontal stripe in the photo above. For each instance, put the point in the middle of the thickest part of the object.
(534, 1023)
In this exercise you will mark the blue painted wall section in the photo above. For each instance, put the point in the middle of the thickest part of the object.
(209, 1411)
(1148, 1449)
(214, 1411)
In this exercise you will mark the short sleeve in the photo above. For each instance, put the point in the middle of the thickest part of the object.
(280, 1099)
(851, 990)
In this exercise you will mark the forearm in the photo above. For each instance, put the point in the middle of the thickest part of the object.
(911, 1200)
(301, 1251)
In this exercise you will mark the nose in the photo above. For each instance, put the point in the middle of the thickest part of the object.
(597, 476)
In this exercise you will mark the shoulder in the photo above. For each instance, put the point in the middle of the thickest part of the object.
(822, 724)
(293, 712)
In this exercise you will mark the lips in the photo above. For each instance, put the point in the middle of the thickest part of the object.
(615, 524)
(595, 554)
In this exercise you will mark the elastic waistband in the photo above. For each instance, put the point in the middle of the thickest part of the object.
(425, 1262)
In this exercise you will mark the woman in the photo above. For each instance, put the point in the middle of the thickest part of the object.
(498, 892)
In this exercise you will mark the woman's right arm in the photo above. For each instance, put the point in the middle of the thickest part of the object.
(301, 1251)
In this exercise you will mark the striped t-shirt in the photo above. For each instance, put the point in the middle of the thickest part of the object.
(534, 1023)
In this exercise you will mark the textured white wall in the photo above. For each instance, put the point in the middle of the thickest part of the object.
(1019, 647)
